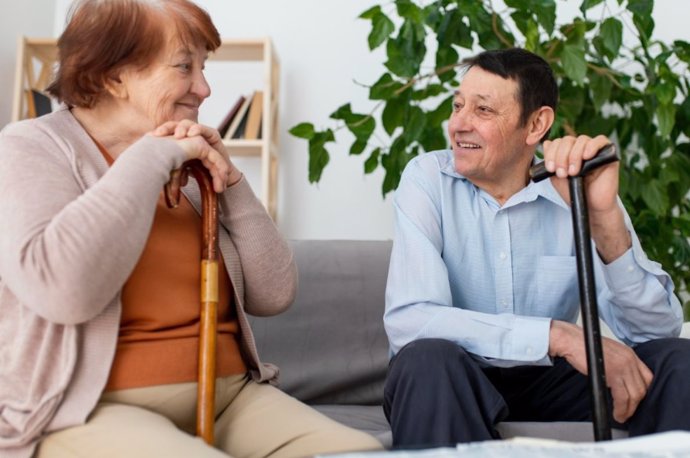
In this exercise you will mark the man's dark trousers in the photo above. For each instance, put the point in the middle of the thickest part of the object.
(437, 395)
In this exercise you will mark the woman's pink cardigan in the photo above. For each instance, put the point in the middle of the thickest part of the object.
(71, 231)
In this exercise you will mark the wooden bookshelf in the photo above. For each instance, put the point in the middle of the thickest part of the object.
(36, 59)
(34, 70)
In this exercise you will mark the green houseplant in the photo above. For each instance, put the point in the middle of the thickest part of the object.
(635, 93)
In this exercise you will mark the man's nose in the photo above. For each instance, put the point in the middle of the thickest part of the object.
(461, 119)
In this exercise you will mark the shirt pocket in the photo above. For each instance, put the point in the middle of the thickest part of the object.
(557, 286)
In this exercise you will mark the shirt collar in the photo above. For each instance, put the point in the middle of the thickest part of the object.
(529, 193)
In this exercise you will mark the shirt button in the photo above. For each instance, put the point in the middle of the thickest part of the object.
(504, 302)
(502, 255)
(630, 268)
(528, 350)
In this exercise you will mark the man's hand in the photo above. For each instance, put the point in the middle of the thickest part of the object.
(626, 375)
(564, 156)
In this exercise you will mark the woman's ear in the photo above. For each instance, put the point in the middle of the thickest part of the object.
(539, 124)
(115, 86)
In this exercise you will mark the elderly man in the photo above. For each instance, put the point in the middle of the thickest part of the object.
(482, 290)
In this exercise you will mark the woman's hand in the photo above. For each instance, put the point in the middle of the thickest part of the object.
(203, 143)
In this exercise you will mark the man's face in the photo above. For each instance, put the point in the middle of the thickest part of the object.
(484, 129)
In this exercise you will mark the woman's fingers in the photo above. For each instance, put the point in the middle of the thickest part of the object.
(203, 143)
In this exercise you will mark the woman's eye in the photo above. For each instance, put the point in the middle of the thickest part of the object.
(185, 67)
(457, 106)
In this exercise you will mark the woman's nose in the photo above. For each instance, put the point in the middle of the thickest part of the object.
(200, 86)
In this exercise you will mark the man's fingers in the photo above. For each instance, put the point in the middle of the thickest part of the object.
(628, 378)
(594, 146)
(576, 155)
(565, 147)
(620, 401)
(647, 375)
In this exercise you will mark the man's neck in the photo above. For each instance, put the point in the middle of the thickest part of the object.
(506, 187)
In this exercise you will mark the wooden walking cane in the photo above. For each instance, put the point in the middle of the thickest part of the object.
(209, 295)
(588, 297)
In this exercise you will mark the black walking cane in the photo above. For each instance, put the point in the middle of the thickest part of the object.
(588, 296)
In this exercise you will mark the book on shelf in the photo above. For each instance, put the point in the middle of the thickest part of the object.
(225, 124)
(252, 130)
(239, 119)
(37, 104)
(241, 127)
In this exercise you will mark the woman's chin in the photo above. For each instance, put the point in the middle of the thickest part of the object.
(186, 112)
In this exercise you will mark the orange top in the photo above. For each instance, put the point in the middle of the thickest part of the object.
(158, 341)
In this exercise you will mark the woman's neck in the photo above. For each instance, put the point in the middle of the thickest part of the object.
(108, 127)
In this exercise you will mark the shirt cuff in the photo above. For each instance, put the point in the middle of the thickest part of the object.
(623, 272)
(531, 340)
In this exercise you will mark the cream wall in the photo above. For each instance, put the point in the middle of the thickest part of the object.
(322, 48)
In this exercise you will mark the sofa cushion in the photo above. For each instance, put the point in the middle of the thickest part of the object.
(330, 345)
(372, 420)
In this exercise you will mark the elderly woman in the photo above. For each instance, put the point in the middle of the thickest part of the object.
(99, 281)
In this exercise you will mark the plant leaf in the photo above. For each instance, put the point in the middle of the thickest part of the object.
(409, 10)
(611, 34)
(574, 64)
(653, 194)
(405, 52)
(318, 155)
(414, 124)
(587, 4)
(600, 88)
(357, 147)
(371, 12)
(384, 88)
(303, 130)
(381, 29)
(446, 57)
(666, 115)
(546, 13)
(373, 161)
(394, 114)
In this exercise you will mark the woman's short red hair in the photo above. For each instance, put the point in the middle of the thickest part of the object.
(104, 36)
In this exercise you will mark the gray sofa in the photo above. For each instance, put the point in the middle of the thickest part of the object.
(331, 346)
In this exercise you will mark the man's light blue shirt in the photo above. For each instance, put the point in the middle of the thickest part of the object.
(490, 278)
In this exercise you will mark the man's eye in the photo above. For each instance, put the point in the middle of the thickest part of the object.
(457, 106)
(484, 109)
(185, 67)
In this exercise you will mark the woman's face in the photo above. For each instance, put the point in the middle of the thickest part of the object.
(171, 88)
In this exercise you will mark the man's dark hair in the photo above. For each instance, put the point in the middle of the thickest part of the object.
(536, 84)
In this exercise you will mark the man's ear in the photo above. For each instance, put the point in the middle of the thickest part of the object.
(539, 123)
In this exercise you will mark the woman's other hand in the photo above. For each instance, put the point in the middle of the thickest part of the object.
(203, 143)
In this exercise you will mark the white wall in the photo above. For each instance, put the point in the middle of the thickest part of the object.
(322, 48)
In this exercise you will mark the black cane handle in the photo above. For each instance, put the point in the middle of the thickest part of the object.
(606, 155)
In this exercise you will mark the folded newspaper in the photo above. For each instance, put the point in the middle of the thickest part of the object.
(674, 444)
